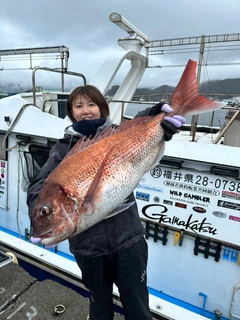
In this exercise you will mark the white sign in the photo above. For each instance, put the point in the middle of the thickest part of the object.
(198, 202)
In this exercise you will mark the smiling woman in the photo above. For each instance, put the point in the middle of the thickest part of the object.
(86, 195)
(105, 248)
(86, 103)
(84, 109)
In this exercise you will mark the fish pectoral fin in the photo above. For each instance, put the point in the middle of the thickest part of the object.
(87, 206)
(69, 194)
(120, 208)
(93, 188)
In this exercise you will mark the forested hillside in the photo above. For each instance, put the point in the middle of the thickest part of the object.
(225, 88)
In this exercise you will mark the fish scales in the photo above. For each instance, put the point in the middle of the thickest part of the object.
(117, 163)
(125, 165)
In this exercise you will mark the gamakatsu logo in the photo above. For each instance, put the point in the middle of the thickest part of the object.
(149, 188)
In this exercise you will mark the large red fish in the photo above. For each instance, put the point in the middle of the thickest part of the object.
(96, 176)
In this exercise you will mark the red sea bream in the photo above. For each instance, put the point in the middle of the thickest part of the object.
(97, 175)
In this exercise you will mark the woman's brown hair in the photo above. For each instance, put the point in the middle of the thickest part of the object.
(88, 91)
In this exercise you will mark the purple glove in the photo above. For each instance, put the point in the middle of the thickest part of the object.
(35, 240)
(177, 121)
(50, 246)
(170, 124)
(166, 108)
(38, 240)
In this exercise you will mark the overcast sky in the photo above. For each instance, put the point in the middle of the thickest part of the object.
(84, 27)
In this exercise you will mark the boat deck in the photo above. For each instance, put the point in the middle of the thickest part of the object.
(23, 296)
(25, 292)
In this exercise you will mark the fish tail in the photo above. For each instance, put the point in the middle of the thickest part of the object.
(185, 99)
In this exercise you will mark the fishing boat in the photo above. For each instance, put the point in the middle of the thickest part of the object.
(188, 203)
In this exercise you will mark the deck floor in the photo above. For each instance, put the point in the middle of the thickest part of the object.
(24, 297)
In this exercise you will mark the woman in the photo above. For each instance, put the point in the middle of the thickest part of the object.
(114, 250)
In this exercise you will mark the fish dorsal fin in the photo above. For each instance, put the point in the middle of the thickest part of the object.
(185, 99)
(85, 142)
(133, 122)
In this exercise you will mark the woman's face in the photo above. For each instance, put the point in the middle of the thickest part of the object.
(84, 109)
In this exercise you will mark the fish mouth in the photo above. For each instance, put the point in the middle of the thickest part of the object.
(55, 239)
(50, 237)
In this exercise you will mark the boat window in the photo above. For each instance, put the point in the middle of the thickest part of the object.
(35, 158)
(3, 153)
(61, 105)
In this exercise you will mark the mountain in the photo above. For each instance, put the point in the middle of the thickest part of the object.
(224, 88)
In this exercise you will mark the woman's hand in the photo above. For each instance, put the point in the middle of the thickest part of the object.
(170, 125)
(38, 240)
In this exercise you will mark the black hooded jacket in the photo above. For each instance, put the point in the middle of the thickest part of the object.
(116, 233)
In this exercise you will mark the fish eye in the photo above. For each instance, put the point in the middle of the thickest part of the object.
(44, 211)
